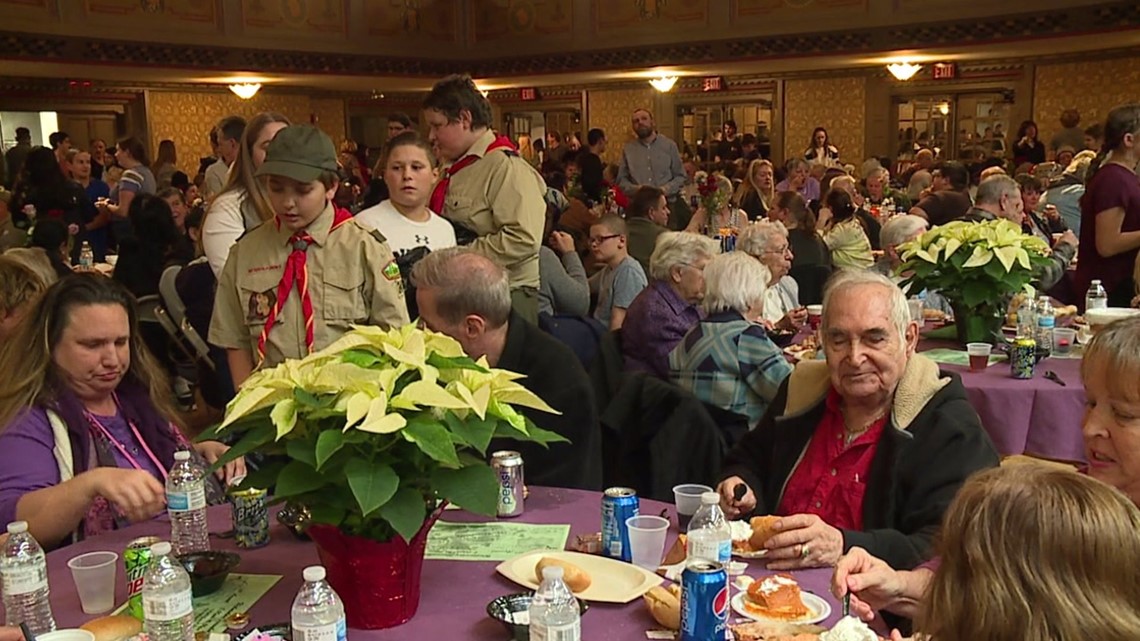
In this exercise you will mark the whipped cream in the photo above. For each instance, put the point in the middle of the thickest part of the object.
(849, 628)
(773, 583)
(741, 530)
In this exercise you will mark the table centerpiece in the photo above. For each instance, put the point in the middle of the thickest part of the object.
(373, 434)
(977, 266)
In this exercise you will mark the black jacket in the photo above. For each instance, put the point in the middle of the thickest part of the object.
(933, 442)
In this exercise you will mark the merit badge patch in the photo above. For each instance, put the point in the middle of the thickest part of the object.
(391, 271)
(260, 303)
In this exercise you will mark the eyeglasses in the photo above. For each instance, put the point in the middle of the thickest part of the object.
(782, 250)
(598, 240)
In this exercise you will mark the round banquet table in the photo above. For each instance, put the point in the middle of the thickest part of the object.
(1034, 416)
(454, 594)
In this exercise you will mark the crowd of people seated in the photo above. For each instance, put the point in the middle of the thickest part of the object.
(548, 261)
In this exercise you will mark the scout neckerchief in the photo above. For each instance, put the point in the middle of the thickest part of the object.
(297, 272)
(439, 194)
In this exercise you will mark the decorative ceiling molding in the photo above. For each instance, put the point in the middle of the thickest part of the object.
(1109, 16)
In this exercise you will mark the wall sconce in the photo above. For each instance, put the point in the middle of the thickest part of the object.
(903, 70)
(944, 109)
(663, 83)
(245, 90)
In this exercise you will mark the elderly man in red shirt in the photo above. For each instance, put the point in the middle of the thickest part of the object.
(866, 449)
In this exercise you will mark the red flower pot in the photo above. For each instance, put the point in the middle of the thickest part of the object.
(378, 582)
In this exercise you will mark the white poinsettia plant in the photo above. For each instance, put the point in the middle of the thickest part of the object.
(371, 433)
(976, 265)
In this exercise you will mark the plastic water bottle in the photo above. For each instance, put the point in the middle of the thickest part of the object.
(23, 571)
(1096, 298)
(554, 613)
(168, 610)
(86, 256)
(318, 613)
(1026, 319)
(186, 501)
(710, 536)
(1046, 321)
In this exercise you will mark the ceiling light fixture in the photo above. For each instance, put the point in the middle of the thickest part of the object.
(663, 83)
(245, 90)
(903, 70)
(944, 109)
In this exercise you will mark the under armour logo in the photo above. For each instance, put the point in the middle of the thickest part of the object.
(422, 240)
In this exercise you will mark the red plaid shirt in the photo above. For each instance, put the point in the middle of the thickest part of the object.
(831, 480)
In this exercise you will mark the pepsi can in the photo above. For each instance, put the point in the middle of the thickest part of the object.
(704, 601)
(618, 504)
(508, 467)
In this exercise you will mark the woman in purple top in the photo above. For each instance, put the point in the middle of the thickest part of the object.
(86, 437)
(665, 311)
(799, 180)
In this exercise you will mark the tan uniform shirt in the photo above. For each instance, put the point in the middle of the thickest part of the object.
(502, 199)
(352, 280)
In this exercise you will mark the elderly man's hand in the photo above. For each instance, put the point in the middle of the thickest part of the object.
(804, 541)
(732, 507)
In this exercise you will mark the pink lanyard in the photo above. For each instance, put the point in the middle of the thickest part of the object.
(119, 446)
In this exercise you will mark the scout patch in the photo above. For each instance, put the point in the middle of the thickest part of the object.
(260, 303)
(391, 271)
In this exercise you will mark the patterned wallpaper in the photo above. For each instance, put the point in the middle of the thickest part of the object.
(1093, 88)
(186, 118)
(611, 109)
(837, 104)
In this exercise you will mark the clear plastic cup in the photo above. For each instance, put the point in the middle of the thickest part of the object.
(1063, 340)
(687, 498)
(94, 575)
(979, 354)
(647, 540)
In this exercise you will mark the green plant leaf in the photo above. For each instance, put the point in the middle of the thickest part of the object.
(474, 431)
(297, 478)
(284, 416)
(440, 361)
(250, 441)
(327, 444)
(473, 488)
(433, 439)
(301, 450)
(405, 512)
(361, 357)
(327, 513)
(372, 484)
(264, 477)
(305, 398)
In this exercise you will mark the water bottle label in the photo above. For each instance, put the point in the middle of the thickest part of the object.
(1045, 322)
(22, 580)
(193, 499)
(332, 632)
(724, 553)
(167, 607)
(566, 632)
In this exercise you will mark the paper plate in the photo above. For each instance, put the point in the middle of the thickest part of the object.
(611, 581)
(818, 609)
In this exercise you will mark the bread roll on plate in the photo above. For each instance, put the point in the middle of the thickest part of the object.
(575, 577)
(763, 528)
(665, 605)
(113, 628)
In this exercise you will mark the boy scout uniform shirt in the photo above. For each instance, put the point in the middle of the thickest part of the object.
(500, 198)
(352, 280)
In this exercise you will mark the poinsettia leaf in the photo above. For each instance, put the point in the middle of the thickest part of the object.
(327, 513)
(474, 431)
(302, 450)
(297, 478)
(440, 361)
(372, 484)
(474, 488)
(306, 398)
(433, 439)
(405, 511)
(327, 444)
(250, 441)
(361, 357)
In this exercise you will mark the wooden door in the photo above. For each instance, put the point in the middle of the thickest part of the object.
(82, 128)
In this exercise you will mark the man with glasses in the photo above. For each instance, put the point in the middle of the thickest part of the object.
(767, 241)
(621, 278)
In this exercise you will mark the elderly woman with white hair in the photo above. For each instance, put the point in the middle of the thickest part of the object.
(767, 241)
(668, 308)
(866, 448)
(727, 360)
(727, 217)
(880, 193)
(896, 231)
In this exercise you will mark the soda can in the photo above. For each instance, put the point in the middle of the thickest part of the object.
(137, 559)
(508, 466)
(704, 601)
(618, 504)
(250, 517)
(1022, 357)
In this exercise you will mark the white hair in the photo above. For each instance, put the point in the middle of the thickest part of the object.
(735, 281)
(899, 229)
(848, 278)
(676, 248)
(877, 171)
(919, 180)
(756, 238)
(993, 188)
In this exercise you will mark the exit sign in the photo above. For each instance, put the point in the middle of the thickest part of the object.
(714, 83)
(945, 71)
(528, 93)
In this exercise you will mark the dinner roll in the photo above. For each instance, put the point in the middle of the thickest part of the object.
(113, 628)
(575, 577)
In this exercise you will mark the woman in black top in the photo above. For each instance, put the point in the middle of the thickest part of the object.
(1028, 148)
(150, 248)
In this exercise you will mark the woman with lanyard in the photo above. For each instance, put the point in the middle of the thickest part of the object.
(86, 437)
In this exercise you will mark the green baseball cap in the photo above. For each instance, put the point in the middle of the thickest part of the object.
(300, 152)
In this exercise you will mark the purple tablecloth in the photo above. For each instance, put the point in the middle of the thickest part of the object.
(1034, 416)
(454, 593)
